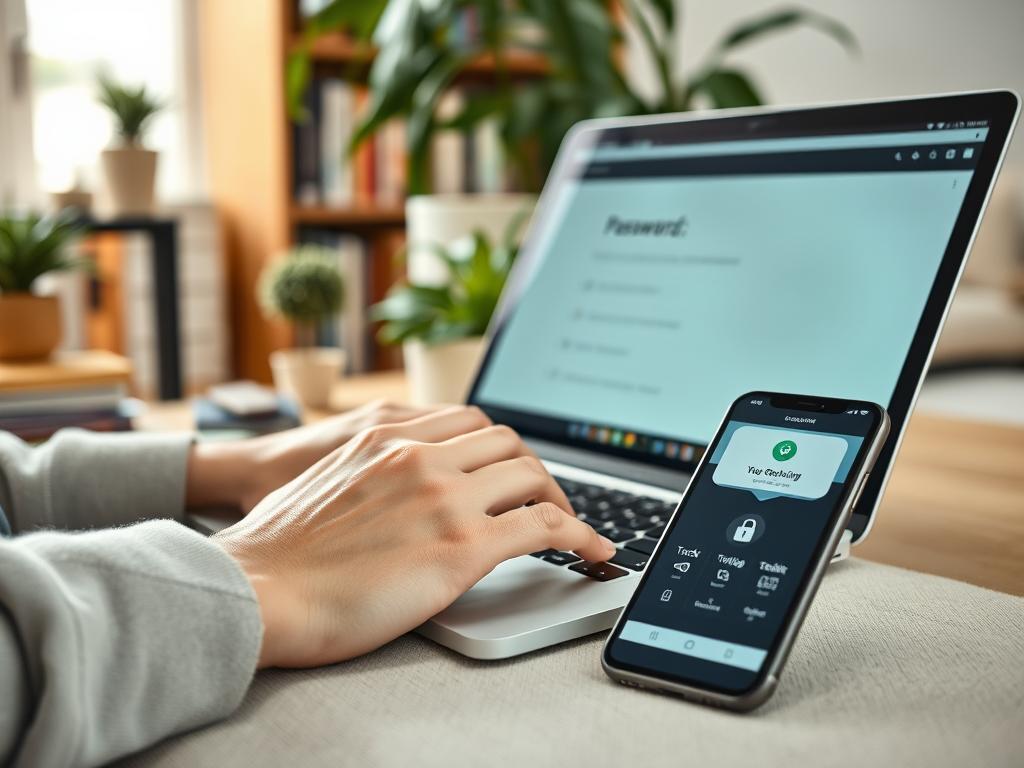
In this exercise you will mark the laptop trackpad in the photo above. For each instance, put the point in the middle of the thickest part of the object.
(525, 604)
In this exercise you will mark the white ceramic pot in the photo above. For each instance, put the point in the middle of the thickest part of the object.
(440, 219)
(308, 374)
(441, 373)
(131, 176)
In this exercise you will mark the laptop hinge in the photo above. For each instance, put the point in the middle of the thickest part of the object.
(610, 465)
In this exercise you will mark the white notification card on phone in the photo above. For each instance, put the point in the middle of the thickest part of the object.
(776, 462)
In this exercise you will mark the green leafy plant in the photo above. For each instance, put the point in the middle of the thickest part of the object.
(31, 246)
(459, 310)
(132, 108)
(306, 289)
(419, 58)
(714, 79)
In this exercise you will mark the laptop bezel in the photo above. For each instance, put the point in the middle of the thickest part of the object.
(999, 108)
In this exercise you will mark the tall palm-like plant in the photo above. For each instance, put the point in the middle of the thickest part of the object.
(419, 58)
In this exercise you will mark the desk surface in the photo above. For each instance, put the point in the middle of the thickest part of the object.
(891, 668)
(954, 506)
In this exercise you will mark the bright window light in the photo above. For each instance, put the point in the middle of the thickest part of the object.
(134, 41)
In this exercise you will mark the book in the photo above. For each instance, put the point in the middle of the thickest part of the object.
(37, 427)
(391, 164)
(89, 398)
(306, 150)
(448, 149)
(337, 123)
(210, 416)
(65, 369)
(364, 159)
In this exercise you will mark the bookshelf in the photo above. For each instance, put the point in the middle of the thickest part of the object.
(244, 45)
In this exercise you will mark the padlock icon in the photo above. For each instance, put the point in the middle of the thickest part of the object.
(745, 530)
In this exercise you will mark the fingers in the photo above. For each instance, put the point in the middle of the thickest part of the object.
(387, 412)
(485, 446)
(509, 484)
(441, 425)
(545, 526)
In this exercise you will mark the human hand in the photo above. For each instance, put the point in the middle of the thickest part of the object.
(391, 528)
(241, 473)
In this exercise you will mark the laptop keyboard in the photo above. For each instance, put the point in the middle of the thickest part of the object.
(634, 523)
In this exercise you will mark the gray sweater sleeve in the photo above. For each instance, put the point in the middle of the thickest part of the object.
(113, 640)
(81, 479)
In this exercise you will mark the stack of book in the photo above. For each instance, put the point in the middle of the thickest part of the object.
(72, 389)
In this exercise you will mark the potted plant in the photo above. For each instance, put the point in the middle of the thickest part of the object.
(129, 167)
(441, 328)
(305, 288)
(31, 246)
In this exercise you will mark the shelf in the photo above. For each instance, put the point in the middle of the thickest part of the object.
(355, 218)
(336, 48)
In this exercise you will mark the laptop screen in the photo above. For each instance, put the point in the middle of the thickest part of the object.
(672, 279)
(675, 266)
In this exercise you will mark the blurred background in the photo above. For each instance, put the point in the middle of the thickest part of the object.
(353, 129)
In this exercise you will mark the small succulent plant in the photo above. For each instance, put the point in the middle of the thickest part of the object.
(306, 289)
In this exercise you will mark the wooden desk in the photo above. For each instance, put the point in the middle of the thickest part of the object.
(954, 506)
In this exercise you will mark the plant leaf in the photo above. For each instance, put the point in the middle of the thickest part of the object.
(727, 88)
(777, 21)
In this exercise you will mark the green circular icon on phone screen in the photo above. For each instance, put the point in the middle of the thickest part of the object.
(784, 451)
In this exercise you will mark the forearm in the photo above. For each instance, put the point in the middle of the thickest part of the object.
(113, 640)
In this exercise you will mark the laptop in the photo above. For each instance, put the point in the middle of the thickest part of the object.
(676, 262)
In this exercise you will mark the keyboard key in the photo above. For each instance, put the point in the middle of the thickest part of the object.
(598, 571)
(644, 545)
(618, 534)
(604, 515)
(597, 525)
(580, 502)
(627, 558)
(620, 498)
(656, 532)
(562, 558)
(544, 553)
(638, 523)
(569, 486)
(655, 507)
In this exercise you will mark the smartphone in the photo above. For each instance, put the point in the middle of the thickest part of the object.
(723, 597)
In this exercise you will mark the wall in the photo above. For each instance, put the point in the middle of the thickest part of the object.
(17, 168)
(909, 47)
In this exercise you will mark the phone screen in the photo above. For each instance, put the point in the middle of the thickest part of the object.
(716, 597)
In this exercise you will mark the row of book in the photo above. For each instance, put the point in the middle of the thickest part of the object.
(327, 174)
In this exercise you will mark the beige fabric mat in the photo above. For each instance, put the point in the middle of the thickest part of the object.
(892, 668)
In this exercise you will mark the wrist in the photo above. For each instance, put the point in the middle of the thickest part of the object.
(219, 475)
(280, 612)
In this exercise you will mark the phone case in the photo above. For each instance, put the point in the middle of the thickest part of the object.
(759, 695)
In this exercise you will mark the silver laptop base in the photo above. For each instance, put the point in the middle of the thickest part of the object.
(526, 604)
